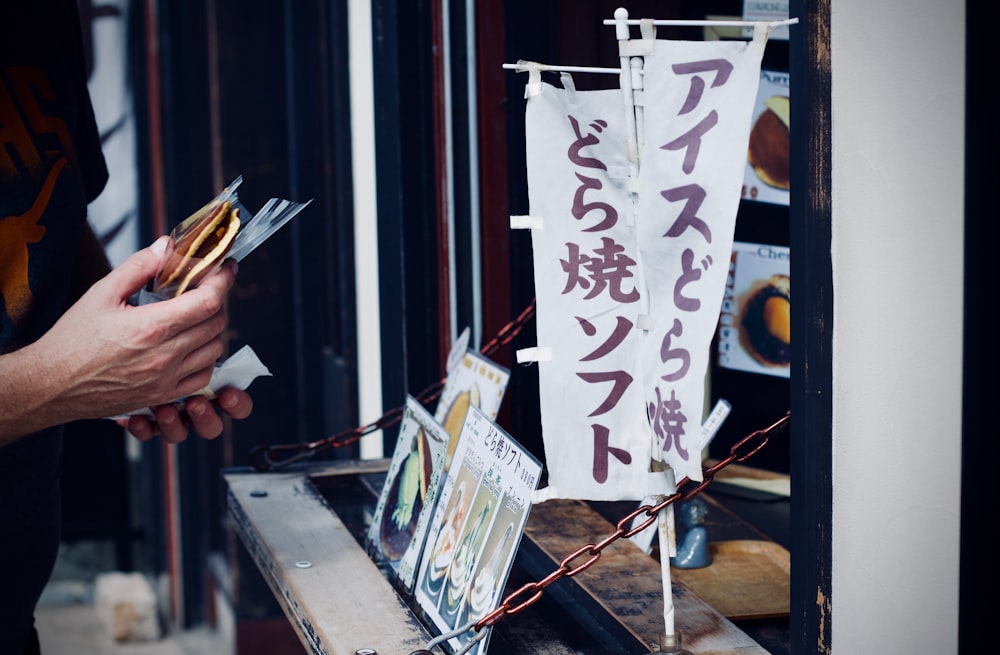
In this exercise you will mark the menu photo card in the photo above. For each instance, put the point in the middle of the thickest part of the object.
(766, 10)
(477, 526)
(474, 381)
(410, 492)
(755, 324)
(768, 166)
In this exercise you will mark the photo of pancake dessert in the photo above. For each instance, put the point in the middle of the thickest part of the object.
(765, 325)
(767, 173)
(770, 143)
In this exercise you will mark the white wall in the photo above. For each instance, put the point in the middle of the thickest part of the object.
(116, 210)
(897, 151)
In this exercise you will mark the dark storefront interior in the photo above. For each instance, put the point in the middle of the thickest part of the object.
(258, 89)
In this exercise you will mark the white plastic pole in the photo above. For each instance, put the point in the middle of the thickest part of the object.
(631, 72)
(365, 220)
(701, 23)
(523, 66)
(668, 549)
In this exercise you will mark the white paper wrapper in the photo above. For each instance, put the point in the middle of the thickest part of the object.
(238, 371)
(243, 367)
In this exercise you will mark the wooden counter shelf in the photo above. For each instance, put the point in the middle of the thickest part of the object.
(304, 526)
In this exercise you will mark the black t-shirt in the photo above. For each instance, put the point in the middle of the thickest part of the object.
(51, 167)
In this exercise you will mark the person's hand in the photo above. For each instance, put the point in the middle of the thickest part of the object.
(104, 357)
(199, 415)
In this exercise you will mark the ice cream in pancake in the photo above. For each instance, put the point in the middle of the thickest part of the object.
(455, 418)
(765, 322)
(200, 243)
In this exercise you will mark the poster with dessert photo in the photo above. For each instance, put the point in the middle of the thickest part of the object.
(477, 526)
(409, 493)
(767, 169)
(474, 381)
(754, 325)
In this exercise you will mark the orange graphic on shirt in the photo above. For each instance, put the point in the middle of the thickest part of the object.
(30, 139)
(16, 232)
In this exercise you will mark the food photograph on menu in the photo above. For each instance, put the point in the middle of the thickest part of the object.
(410, 490)
(755, 323)
(480, 517)
(474, 382)
(768, 168)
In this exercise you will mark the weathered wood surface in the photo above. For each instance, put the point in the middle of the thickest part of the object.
(748, 579)
(341, 602)
(626, 583)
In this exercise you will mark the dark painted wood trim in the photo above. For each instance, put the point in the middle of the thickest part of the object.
(980, 357)
(812, 323)
(492, 166)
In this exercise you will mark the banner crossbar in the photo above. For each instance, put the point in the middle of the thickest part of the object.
(525, 66)
(702, 23)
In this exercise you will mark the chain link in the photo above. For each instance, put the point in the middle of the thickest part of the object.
(262, 459)
(267, 458)
(529, 594)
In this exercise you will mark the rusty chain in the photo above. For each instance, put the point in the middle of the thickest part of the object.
(262, 458)
(532, 591)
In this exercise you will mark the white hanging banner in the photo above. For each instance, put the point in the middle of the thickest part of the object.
(699, 98)
(588, 296)
(630, 273)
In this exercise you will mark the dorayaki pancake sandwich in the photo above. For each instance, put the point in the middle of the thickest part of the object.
(770, 143)
(200, 244)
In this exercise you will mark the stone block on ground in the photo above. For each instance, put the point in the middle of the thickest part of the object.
(127, 607)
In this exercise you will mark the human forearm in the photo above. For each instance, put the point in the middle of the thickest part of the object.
(25, 399)
(27, 402)
(104, 357)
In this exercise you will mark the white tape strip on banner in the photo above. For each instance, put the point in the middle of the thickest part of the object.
(534, 85)
(645, 322)
(536, 354)
(617, 171)
(647, 28)
(543, 494)
(631, 150)
(635, 48)
(566, 79)
(526, 223)
(640, 47)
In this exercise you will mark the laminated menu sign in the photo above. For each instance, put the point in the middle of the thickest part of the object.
(474, 382)
(408, 496)
(754, 326)
(478, 523)
(766, 10)
(766, 177)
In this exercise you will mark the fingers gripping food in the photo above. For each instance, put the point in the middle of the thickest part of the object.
(213, 234)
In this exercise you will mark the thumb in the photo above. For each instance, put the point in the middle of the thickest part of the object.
(138, 269)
